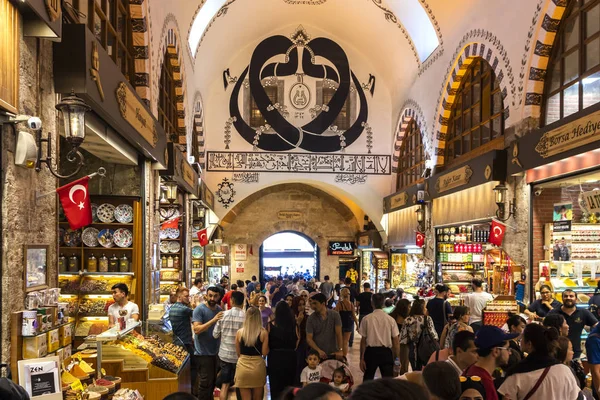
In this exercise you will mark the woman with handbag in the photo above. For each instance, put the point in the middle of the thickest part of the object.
(417, 330)
(540, 376)
(251, 344)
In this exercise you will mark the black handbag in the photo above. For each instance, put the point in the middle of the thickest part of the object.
(426, 345)
(8, 389)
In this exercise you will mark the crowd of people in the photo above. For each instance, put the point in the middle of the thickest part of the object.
(298, 333)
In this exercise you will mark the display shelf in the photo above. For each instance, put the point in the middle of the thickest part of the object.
(47, 330)
(83, 273)
(101, 223)
(477, 271)
(108, 249)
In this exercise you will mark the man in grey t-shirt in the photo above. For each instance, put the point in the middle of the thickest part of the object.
(324, 329)
(327, 289)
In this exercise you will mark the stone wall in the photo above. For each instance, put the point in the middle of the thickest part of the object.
(323, 218)
(25, 220)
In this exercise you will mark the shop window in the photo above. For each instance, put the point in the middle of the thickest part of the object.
(477, 115)
(167, 100)
(110, 22)
(412, 158)
(573, 75)
(342, 121)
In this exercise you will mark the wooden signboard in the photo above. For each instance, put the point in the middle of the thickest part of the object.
(398, 200)
(136, 114)
(188, 173)
(580, 132)
(289, 215)
(454, 179)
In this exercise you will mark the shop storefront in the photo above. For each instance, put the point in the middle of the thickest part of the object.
(374, 262)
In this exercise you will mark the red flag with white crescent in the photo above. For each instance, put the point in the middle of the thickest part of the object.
(171, 223)
(75, 200)
(420, 240)
(497, 231)
(203, 237)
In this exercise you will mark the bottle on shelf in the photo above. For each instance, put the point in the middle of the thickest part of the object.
(163, 261)
(113, 264)
(63, 263)
(124, 264)
(176, 262)
(92, 263)
(73, 263)
(170, 262)
(103, 264)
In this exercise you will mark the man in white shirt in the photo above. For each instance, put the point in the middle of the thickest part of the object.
(380, 343)
(122, 307)
(476, 302)
(196, 287)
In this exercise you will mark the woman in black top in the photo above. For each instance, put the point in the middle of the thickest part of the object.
(541, 307)
(251, 344)
(283, 340)
(400, 313)
(301, 316)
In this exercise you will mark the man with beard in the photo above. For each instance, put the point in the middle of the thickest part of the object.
(576, 318)
(204, 318)
(180, 316)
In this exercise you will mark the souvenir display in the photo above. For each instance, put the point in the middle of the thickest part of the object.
(164, 247)
(166, 213)
(197, 252)
(174, 247)
(124, 213)
(90, 237)
(106, 213)
(124, 264)
(162, 234)
(123, 237)
(105, 238)
(95, 212)
(172, 233)
(167, 356)
(72, 238)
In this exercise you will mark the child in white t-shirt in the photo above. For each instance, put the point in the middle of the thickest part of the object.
(311, 373)
(338, 381)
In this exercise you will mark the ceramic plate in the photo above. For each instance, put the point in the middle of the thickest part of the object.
(174, 247)
(172, 233)
(197, 252)
(164, 247)
(105, 237)
(166, 213)
(106, 213)
(123, 237)
(90, 237)
(162, 234)
(124, 213)
(95, 212)
(72, 238)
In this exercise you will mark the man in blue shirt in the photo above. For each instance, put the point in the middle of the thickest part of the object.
(277, 291)
(180, 316)
(204, 319)
(592, 351)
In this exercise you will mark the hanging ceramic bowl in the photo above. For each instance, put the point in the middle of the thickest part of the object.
(72, 238)
(90, 237)
(105, 237)
(164, 247)
(123, 237)
(174, 247)
(197, 252)
(95, 212)
(106, 213)
(172, 233)
(124, 213)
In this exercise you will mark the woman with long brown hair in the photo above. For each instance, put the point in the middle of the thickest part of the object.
(346, 310)
(411, 332)
(400, 313)
(300, 313)
(251, 344)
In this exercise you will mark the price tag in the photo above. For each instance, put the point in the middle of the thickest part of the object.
(77, 385)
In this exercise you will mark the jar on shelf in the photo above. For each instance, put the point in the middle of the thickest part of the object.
(103, 264)
(163, 261)
(73, 263)
(63, 263)
(124, 264)
(92, 263)
(113, 264)
(170, 262)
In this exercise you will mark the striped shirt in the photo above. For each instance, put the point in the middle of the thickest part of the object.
(226, 329)
(180, 316)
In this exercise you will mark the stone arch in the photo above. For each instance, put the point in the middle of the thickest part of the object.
(138, 10)
(411, 110)
(494, 54)
(540, 56)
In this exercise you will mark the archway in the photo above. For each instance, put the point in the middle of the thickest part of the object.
(289, 253)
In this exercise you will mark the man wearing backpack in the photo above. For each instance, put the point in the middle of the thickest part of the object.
(380, 343)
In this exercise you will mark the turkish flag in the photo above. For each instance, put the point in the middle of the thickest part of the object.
(420, 240)
(75, 201)
(172, 223)
(203, 237)
(497, 231)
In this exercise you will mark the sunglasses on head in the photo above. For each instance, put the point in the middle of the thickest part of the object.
(473, 378)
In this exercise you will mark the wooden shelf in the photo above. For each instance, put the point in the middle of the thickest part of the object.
(95, 273)
(100, 223)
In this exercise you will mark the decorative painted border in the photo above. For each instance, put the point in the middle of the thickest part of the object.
(138, 11)
(544, 40)
(391, 17)
(411, 110)
(492, 52)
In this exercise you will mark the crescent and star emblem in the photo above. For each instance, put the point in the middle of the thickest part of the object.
(203, 236)
(499, 229)
(75, 188)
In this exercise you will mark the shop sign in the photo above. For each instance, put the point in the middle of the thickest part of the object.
(592, 200)
(341, 248)
(454, 179)
(398, 200)
(289, 215)
(562, 217)
(136, 114)
(208, 197)
(582, 131)
(189, 176)
(54, 9)
(239, 266)
(240, 252)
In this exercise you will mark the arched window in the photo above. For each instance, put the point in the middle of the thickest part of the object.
(411, 160)
(573, 77)
(477, 115)
(167, 100)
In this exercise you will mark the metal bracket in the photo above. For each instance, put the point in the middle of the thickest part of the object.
(101, 173)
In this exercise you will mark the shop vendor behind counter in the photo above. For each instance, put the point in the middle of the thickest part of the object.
(122, 307)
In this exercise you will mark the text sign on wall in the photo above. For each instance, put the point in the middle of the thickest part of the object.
(341, 248)
(454, 179)
(239, 266)
(289, 215)
(569, 136)
(592, 200)
(399, 200)
(222, 161)
(240, 252)
(136, 114)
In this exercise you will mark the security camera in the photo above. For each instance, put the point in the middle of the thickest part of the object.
(538, 191)
(34, 123)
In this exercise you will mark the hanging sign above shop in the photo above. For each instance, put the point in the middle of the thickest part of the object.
(582, 131)
(136, 114)
(592, 200)
(189, 175)
(181, 171)
(240, 252)
(341, 248)
(454, 179)
(399, 200)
